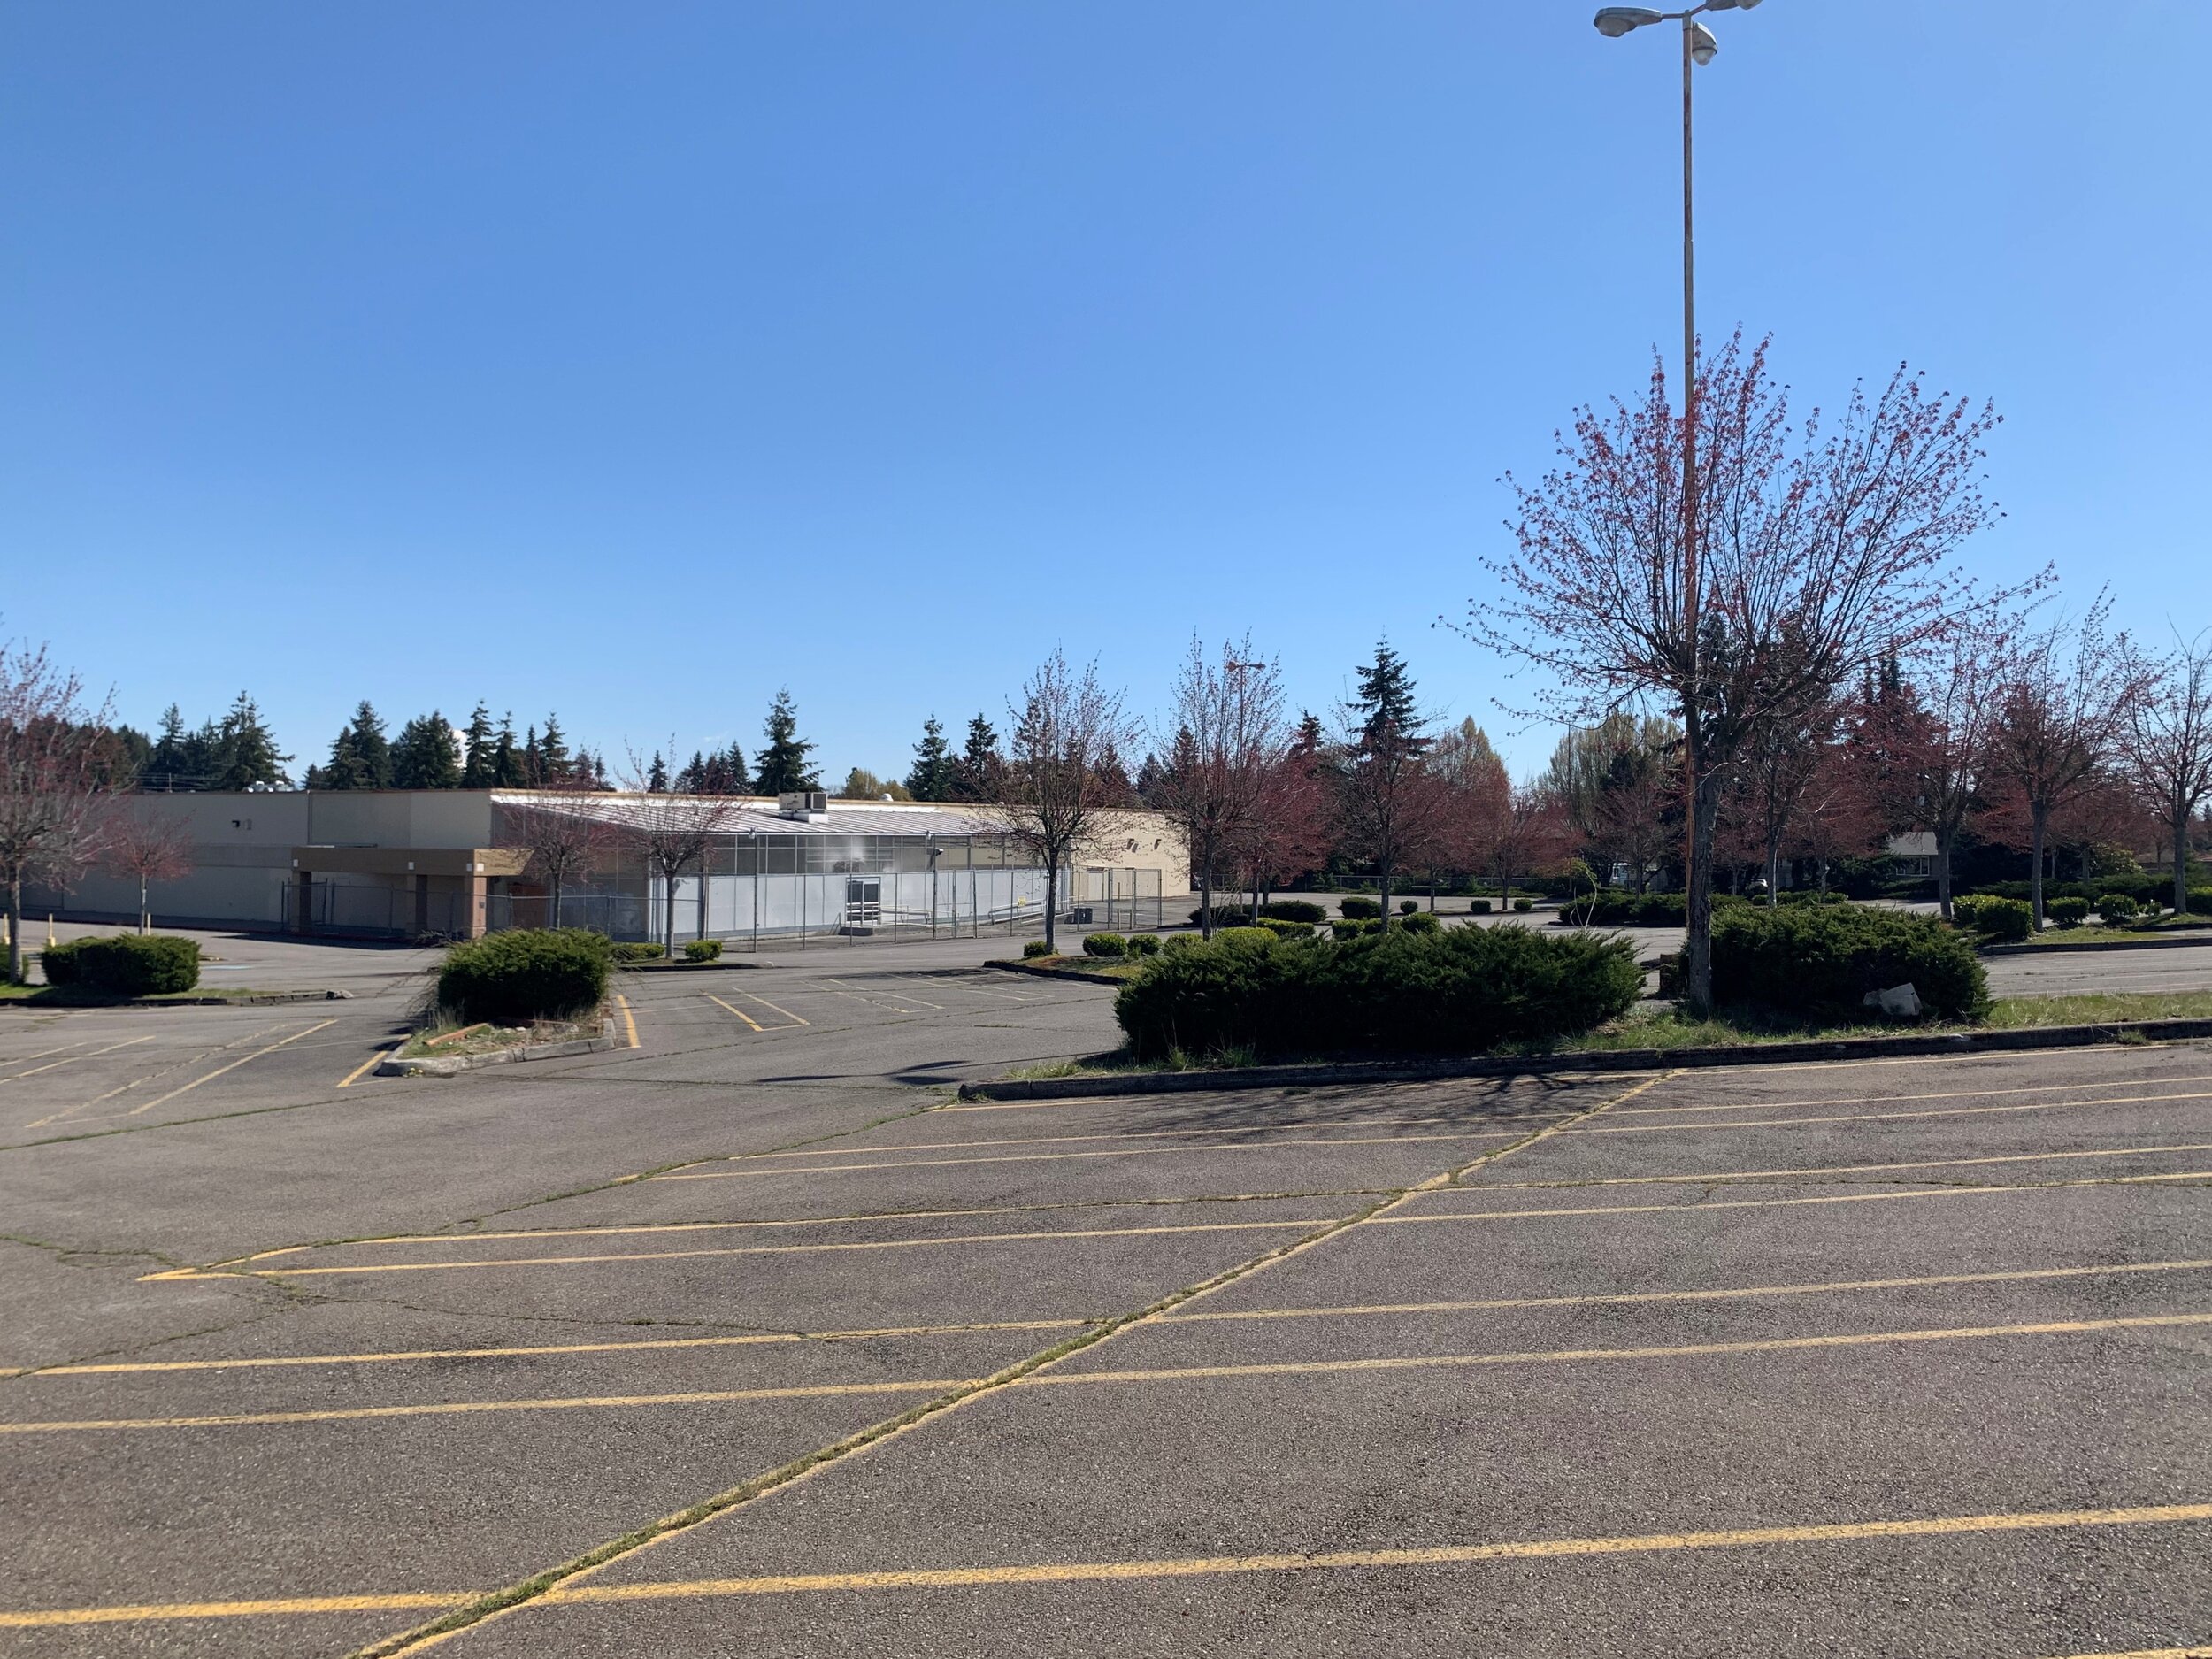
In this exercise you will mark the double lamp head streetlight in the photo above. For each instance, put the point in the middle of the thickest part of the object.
(1615, 22)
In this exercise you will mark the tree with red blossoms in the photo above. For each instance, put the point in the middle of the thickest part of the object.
(56, 773)
(142, 841)
(1821, 548)
(2065, 695)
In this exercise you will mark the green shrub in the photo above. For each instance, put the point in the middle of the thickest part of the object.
(1144, 944)
(1035, 947)
(1405, 907)
(1105, 945)
(1468, 989)
(529, 973)
(2115, 909)
(1283, 928)
(636, 950)
(1822, 960)
(1179, 942)
(1294, 910)
(1358, 909)
(1225, 915)
(1355, 926)
(1478, 907)
(1420, 922)
(1522, 907)
(702, 951)
(2067, 912)
(1811, 895)
(2002, 919)
(2200, 901)
(1245, 933)
(126, 965)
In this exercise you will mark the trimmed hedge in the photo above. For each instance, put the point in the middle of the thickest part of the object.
(529, 973)
(2007, 920)
(2066, 912)
(1478, 907)
(1419, 922)
(1105, 945)
(1355, 926)
(1522, 907)
(126, 965)
(1468, 989)
(1144, 944)
(1405, 907)
(1283, 928)
(1293, 911)
(636, 950)
(702, 951)
(1358, 909)
(1225, 915)
(1823, 960)
(2116, 907)
(1035, 947)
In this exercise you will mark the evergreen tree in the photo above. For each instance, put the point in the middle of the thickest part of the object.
(507, 772)
(930, 778)
(171, 765)
(785, 764)
(735, 779)
(1385, 697)
(360, 758)
(532, 767)
(245, 753)
(477, 770)
(693, 778)
(425, 755)
(976, 773)
(656, 778)
(554, 760)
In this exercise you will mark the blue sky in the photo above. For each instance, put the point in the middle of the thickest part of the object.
(635, 361)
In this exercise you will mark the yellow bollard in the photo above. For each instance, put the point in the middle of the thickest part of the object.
(49, 930)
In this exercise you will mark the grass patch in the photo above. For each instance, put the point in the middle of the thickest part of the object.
(1102, 968)
(79, 996)
(2100, 1008)
(2091, 933)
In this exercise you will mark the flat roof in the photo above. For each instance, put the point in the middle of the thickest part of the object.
(756, 815)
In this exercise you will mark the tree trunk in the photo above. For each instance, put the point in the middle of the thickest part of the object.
(556, 920)
(1774, 872)
(2181, 865)
(145, 918)
(668, 913)
(1382, 872)
(1205, 905)
(1052, 902)
(1943, 873)
(2040, 818)
(15, 931)
(1697, 945)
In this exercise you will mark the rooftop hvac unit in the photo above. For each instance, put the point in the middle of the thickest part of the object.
(803, 803)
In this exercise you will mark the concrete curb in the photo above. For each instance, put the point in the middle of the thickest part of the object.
(2198, 942)
(453, 1065)
(1611, 1060)
(1053, 973)
(270, 999)
(716, 966)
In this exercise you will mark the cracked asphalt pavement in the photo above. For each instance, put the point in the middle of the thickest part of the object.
(752, 1339)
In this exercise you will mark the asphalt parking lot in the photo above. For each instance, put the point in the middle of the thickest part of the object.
(801, 1355)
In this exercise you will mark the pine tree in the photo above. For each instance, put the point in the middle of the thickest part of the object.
(246, 755)
(477, 770)
(785, 764)
(735, 779)
(930, 778)
(507, 772)
(532, 766)
(693, 778)
(360, 758)
(554, 760)
(656, 779)
(169, 766)
(1385, 697)
(424, 755)
(976, 773)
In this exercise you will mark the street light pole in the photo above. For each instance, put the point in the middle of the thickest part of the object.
(1698, 48)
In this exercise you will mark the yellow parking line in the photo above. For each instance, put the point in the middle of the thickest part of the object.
(72, 1059)
(187, 1088)
(754, 997)
(751, 1339)
(1118, 1135)
(434, 1600)
(937, 1006)
(1439, 1556)
(1817, 1169)
(1869, 1117)
(1694, 1350)
(1893, 1100)
(1789, 1204)
(463, 1407)
(1057, 1157)
(1172, 1567)
(759, 1249)
(629, 1020)
(361, 1071)
(740, 1012)
(2151, 1652)
(1731, 1293)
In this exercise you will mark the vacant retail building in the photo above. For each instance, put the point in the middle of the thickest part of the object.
(456, 863)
